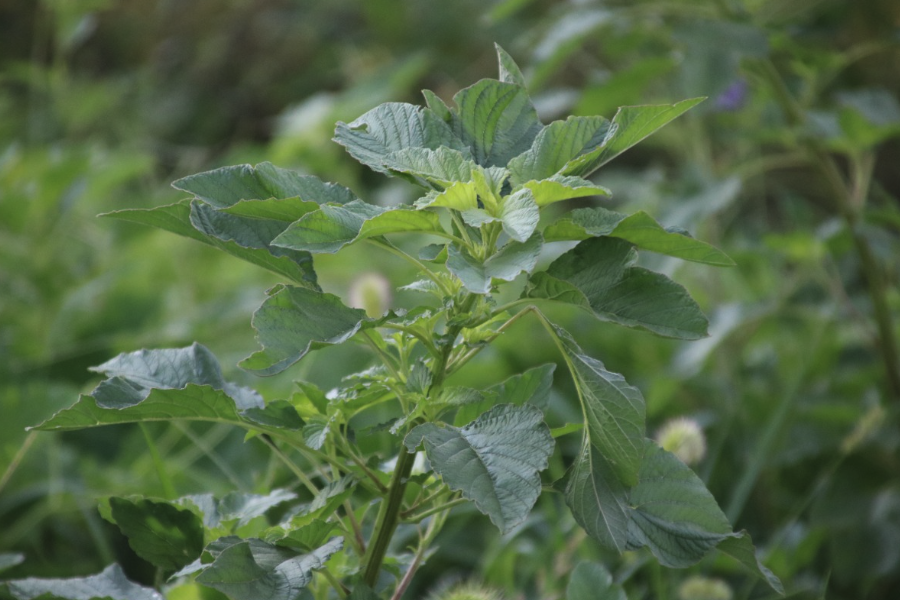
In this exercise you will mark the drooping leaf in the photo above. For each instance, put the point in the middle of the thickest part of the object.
(495, 461)
(252, 569)
(158, 532)
(177, 219)
(229, 185)
(614, 413)
(238, 508)
(590, 581)
(520, 215)
(495, 120)
(165, 385)
(307, 537)
(292, 321)
(110, 584)
(676, 517)
(598, 499)
(602, 270)
(639, 228)
(509, 70)
(556, 145)
(512, 259)
(390, 127)
(562, 187)
(630, 125)
(532, 386)
(332, 227)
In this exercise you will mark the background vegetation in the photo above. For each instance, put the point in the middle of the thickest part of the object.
(790, 167)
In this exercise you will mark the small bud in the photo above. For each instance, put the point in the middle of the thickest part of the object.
(703, 588)
(372, 293)
(683, 438)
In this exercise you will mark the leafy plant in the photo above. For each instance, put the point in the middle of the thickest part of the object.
(489, 167)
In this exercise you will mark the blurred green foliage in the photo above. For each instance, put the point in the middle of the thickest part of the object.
(104, 102)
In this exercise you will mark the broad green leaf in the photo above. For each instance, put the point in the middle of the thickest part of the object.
(238, 508)
(292, 321)
(591, 581)
(740, 547)
(9, 560)
(437, 105)
(330, 228)
(253, 569)
(532, 386)
(441, 168)
(512, 259)
(489, 184)
(598, 499)
(476, 217)
(520, 215)
(390, 127)
(602, 270)
(286, 210)
(461, 196)
(676, 517)
(614, 412)
(158, 532)
(509, 70)
(110, 584)
(556, 145)
(177, 219)
(308, 537)
(561, 187)
(630, 125)
(164, 385)
(639, 228)
(316, 431)
(495, 461)
(495, 120)
(229, 185)
(245, 232)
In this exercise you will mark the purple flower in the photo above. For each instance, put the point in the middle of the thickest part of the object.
(734, 96)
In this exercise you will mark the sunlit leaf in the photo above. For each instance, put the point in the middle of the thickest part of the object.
(509, 70)
(556, 145)
(561, 187)
(519, 215)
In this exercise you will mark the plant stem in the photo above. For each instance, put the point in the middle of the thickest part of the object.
(164, 479)
(339, 587)
(297, 471)
(462, 360)
(388, 517)
(17, 459)
(435, 509)
(386, 245)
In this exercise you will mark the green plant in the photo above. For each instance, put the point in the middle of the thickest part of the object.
(489, 166)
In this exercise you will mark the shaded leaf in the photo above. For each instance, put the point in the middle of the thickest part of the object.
(9, 560)
(602, 270)
(598, 499)
(253, 569)
(110, 584)
(512, 259)
(494, 461)
(332, 227)
(158, 532)
(235, 507)
(306, 537)
(590, 581)
(176, 218)
(292, 321)
(639, 228)
(614, 413)
(229, 185)
(495, 120)
(532, 386)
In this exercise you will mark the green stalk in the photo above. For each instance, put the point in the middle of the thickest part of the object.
(389, 513)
